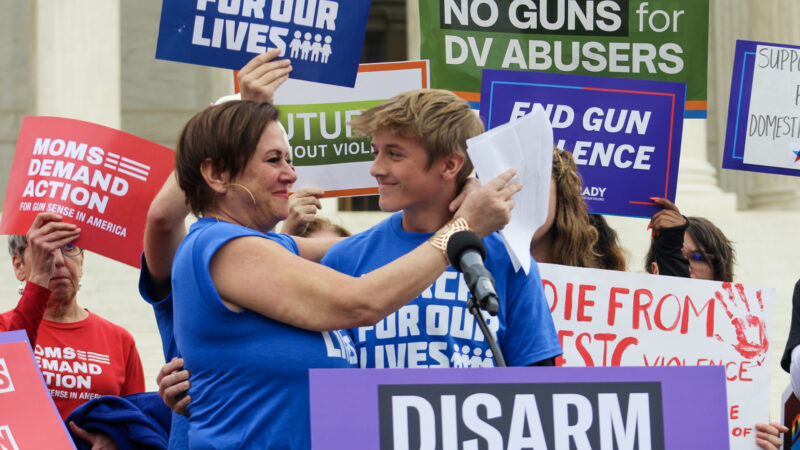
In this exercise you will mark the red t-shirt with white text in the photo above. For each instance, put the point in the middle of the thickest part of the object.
(86, 359)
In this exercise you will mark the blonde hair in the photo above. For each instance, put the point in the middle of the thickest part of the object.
(438, 119)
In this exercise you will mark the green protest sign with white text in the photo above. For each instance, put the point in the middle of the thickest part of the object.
(319, 133)
(665, 40)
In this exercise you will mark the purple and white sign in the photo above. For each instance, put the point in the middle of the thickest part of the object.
(519, 407)
(763, 133)
(323, 38)
(625, 135)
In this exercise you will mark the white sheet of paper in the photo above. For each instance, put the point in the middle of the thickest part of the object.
(527, 145)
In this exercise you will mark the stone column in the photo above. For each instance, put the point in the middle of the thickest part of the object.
(17, 89)
(412, 29)
(698, 182)
(77, 48)
(698, 188)
(159, 96)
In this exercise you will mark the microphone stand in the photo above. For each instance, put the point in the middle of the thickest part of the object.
(475, 309)
(466, 252)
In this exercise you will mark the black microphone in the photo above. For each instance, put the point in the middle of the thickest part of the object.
(466, 253)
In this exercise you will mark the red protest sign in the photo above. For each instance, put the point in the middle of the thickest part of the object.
(28, 417)
(96, 177)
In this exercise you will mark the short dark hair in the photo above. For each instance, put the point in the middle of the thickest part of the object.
(227, 134)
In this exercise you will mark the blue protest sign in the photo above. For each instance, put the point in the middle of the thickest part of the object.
(763, 132)
(625, 135)
(323, 38)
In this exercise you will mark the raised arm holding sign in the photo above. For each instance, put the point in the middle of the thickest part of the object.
(96, 177)
(44, 239)
(262, 75)
(69, 174)
(82, 355)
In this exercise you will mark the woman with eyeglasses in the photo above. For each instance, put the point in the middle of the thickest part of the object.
(688, 246)
(693, 247)
(47, 233)
(81, 355)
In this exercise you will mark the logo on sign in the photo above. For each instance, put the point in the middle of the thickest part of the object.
(309, 46)
(541, 415)
(5, 378)
(83, 175)
(77, 153)
(594, 193)
(7, 439)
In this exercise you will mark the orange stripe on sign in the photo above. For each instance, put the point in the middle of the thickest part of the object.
(350, 192)
(391, 66)
(469, 96)
(379, 67)
(695, 105)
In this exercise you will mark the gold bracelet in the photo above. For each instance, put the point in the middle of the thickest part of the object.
(442, 237)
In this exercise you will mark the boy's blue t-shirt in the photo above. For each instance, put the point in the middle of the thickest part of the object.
(436, 329)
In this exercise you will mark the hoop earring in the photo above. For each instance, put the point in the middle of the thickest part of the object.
(252, 197)
(21, 288)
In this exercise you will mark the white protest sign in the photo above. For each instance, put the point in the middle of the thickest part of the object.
(325, 152)
(527, 145)
(773, 126)
(609, 318)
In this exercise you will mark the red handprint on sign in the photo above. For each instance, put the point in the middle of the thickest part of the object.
(751, 331)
